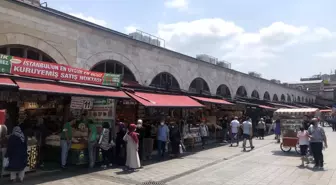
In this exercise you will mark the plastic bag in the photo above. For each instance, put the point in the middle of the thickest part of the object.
(5, 162)
(181, 149)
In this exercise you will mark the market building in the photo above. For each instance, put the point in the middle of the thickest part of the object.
(29, 30)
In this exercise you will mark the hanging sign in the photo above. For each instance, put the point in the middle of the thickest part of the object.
(81, 103)
(53, 71)
(87, 103)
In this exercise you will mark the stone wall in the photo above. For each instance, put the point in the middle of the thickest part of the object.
(77, 44)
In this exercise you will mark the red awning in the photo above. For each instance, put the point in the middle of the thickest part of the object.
(6, 81)
(283, 105)
(325, 110)
(164, 100)
(212, 100)
(267, 107)
(52, 87)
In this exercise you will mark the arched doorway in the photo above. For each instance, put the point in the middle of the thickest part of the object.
(283, 98)
(165, 80)
(289, 99)
(275, 97)
(115, 67)
(267, 96)
(223, 91)
(298, 99)
(255, 94)
(25, 52)
(241, 92)
(199, 85)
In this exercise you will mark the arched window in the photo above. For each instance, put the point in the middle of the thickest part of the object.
(199, 85)
(25, 52)
(241, 92)
(223, 91)
(267, 96)
(165, 80)
(255, 94)
(115, 67)
(275, 97)
(289, 98)
(298, 99)
(283, 98)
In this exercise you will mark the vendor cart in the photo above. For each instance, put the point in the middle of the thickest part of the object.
(291, 120)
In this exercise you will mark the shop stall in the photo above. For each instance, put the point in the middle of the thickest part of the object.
(178, 108)
(42, 96)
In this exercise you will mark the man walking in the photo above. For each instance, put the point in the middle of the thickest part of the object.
(317, 137)
(224, 123)
(234, 130)
(162, 138)
(247, 133)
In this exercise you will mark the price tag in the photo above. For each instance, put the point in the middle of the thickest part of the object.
(88, 104)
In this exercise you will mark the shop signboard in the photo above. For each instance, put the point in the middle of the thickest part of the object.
(80, 103)
(103, 111)
(53, 71)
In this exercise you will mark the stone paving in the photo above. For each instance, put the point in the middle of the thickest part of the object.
(266, 165)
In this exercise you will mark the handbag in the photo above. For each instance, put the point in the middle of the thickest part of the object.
(5, 162)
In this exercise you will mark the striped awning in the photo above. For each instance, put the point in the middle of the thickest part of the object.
(296, 112)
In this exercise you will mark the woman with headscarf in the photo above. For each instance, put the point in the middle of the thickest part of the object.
(132, 148)
(106, 143)
(17, 154)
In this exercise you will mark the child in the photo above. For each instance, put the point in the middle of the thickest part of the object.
(303, 142)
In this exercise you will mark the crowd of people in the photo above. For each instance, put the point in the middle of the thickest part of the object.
(134, 142)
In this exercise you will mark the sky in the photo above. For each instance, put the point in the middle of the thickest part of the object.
(283, 40)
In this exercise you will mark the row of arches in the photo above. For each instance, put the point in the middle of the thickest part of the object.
(162, 80)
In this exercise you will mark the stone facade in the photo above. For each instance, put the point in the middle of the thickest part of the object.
(69, 41)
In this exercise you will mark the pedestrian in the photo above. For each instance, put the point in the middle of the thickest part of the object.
(132, 140)
(204, 132)
(225, 123)
(141, 134)
(66, 138)
(261, 127)
(106, 143)
(162, 138)
(247, 133)
(234, 125)
(120, 144)
(92, 143)
(148, 140)
(277, 130)
(175, 138)
(17, 154)
(304, 143)
(317, 138)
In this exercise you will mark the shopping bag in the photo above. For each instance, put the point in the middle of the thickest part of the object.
(5, 162)
(181, 149)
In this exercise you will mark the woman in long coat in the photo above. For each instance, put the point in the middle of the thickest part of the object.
(17, 154)
(132, 148)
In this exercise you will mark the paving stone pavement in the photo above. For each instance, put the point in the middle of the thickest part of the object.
(266, 165)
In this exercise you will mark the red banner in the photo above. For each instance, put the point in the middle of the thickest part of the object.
(38, 69)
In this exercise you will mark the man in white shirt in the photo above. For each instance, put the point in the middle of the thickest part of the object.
(247, 133)
(234, 130)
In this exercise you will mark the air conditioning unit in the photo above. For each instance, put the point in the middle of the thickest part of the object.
(258, 75)
(224, 64)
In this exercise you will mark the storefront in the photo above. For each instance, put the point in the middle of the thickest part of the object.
(213, 112)
(183, 110)
(42, 96)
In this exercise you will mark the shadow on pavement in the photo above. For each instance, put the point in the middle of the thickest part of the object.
(281, 153)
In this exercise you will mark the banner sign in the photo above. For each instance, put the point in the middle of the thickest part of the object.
(53, 71)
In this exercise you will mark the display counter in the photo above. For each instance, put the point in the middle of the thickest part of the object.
(77, 155)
